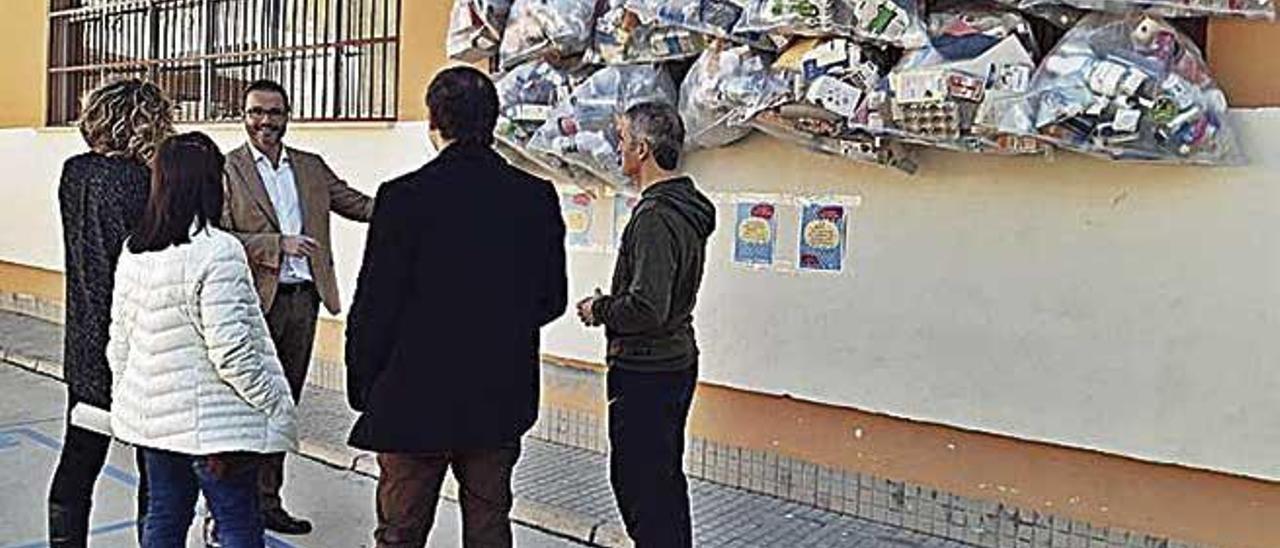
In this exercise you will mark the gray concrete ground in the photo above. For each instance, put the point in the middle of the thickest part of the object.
(339, 502)
(558, 488)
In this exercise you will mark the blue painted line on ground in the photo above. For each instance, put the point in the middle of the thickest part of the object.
(113, 472)
(273, 542)
(49, 442)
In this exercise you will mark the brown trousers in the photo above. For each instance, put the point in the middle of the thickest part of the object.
(292, 323)
(409, 488)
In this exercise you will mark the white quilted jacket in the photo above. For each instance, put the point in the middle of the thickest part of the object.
(193, 367)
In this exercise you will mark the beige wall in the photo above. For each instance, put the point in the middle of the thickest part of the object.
(22, 63)
(423, 25)
(1128, 309)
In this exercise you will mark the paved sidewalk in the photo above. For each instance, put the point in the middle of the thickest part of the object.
(558, 488)
(31, 425)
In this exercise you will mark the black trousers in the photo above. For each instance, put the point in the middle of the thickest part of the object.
(409, 488)
(647, 417)
(292, 323)
(83, 455)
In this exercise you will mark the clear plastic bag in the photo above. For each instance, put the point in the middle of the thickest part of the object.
(821, 87)
(1131, 87)
(721, 92)
(550, 29)
(1254, 9)
(967, 91)
(475, 28)
(623, 37)
(582, 130)
(716, 18)
(527, 95)
(894, 22)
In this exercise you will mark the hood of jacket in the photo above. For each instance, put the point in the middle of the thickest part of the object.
(681, 194)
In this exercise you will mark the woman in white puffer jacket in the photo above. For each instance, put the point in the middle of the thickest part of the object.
(197, 383)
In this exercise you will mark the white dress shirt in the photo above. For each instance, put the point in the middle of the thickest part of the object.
(283, 191)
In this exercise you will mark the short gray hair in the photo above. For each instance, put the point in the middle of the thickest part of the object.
(659, 125)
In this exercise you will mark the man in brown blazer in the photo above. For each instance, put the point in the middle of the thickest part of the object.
(278, 201)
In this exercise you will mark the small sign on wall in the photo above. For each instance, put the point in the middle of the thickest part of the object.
(577, 212)
(823, 238)
(755, 236)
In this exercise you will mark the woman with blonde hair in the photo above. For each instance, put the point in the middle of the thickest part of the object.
(102, 194)
(197, 383)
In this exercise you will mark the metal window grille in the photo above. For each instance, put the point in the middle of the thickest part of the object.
(337, 58)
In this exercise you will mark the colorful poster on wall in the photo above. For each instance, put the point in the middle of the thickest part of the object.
(622, 208)
(576, 209)
(823, 236)
(756, 232)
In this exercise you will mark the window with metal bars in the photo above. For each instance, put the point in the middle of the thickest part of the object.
(337, 58)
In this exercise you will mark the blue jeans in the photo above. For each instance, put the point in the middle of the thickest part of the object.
(175, 479)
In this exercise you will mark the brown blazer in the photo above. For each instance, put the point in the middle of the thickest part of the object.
(248, 213)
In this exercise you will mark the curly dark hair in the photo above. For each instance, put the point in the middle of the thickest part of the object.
(126, 118)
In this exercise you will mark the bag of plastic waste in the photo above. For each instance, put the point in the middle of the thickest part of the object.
(1131, 87)
(582, 129)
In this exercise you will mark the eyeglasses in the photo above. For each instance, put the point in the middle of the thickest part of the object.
(259, 112)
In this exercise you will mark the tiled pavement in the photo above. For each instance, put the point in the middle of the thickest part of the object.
(558, 488)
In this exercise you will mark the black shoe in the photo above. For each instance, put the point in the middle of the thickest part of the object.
(281, 522)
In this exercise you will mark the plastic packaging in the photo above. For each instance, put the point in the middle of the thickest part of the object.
(582, 129)
(823, 85)
(1131, 87)
(622, 37)
(475, 28)
(1254, 9)
(716, 18)
(855, 145)
(721, 92)
(894, 22)
(967, 91)
(526, 96)
(550, 29)
(1059, 15)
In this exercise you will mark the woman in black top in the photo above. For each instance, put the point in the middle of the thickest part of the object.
(102, 195)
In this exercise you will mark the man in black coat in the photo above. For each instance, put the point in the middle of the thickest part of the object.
(648, 320)
(464, 264)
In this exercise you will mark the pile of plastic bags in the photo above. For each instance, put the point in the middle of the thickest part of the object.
(869, 80)
(624, 37)
(965, 91)
(820, 92)
(582, 129)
